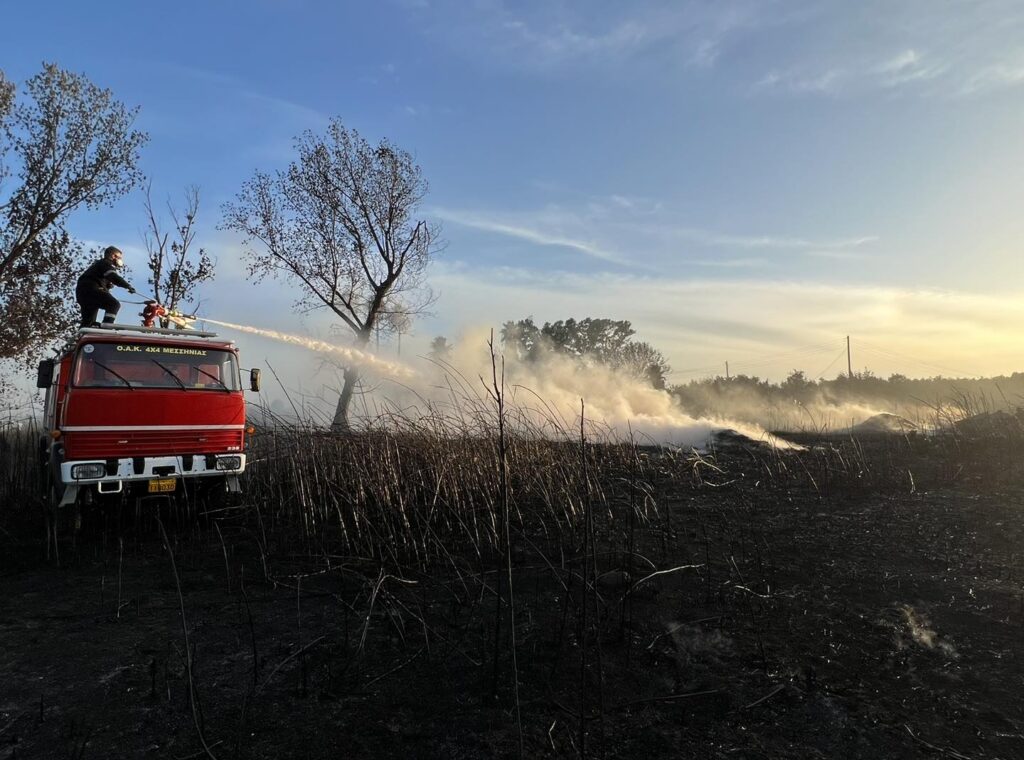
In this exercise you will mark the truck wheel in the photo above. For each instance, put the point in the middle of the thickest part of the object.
(49, 501)
(214, 495)
(61, 522)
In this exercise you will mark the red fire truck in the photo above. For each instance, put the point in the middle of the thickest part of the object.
(142, 411)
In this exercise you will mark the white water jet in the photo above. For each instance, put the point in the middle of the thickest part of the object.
(347, 353)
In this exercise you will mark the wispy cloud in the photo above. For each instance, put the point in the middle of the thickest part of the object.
(526, 231)
(797, 81)
(837, 254)
(565, 42)
(541, 35)
(798, 48)
(909, 67)
(778, 242)
(746, 263)
(875, 46)
(605, 229)
(424, 110)
(235, 87)
(995, 77)
(905, 68)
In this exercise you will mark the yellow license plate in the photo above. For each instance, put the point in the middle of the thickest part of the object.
(163, 485)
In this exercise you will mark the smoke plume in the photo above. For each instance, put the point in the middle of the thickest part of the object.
(547, 395)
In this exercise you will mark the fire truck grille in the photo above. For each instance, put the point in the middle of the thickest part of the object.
(135, 443)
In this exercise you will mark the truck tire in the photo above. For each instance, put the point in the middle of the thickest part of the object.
(213, 496)
(62, 523)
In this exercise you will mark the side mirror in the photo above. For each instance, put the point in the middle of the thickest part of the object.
(44, 375)
(254, 380)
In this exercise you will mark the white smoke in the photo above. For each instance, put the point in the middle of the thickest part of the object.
(552, 392)
(548, 394)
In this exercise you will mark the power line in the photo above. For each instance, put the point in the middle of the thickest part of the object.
(696, 370)
(760, 360)
(795, 349)
(830, 365)
(792, 356)
(912, 360)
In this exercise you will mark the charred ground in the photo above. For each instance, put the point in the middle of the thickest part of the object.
(863, 598)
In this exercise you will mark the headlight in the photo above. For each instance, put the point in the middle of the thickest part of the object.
(229, 463)
(86, 471)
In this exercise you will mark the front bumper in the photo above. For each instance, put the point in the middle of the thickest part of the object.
(132, 469)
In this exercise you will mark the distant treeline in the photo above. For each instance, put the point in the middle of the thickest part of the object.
(797, 402)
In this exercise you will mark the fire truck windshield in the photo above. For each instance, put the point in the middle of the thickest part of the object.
(140, 365)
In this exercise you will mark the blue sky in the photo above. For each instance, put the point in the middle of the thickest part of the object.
(745, 181)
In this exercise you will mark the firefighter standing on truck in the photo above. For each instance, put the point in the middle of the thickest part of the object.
(93, 289)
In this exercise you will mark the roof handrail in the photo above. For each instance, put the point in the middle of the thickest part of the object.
(175, 333)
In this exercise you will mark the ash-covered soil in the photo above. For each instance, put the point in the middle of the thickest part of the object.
(789, 619)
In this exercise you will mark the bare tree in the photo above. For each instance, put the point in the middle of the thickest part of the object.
(72, 146)
(174, 268)
(341, 222)
(7, 90)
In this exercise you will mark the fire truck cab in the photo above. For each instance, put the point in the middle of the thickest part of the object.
(142, 411)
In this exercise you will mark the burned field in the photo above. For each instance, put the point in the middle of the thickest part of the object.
(413, 595)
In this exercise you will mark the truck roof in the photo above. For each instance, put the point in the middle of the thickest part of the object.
(138, 334)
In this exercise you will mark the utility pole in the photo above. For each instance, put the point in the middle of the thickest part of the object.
(727, 370)
(849, 362)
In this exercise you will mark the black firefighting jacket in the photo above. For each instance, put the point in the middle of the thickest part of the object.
(101, 274)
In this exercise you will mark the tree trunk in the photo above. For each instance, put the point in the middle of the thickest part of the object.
(340, 424)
